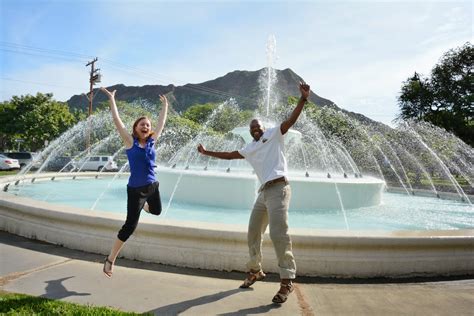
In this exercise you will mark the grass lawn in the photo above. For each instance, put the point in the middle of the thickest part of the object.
(20, 304)
(460, 181)
(8, 173)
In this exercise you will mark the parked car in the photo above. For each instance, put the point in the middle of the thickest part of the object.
(7, 163)
(58, 163)
(24, 158)
(96, 163)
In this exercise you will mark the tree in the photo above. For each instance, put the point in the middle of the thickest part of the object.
(8, 131)
(199, 113)
(34, 119)
(416, 98)
(219, 118)
(446, 98)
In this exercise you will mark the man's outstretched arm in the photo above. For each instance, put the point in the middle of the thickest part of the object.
(220, 154)
(285, 126)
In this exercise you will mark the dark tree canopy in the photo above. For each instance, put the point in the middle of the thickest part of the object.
(446, 98)
(33, 120)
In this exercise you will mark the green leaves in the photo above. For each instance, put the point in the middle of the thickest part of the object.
(446, 98)
(199, 112)
(221, 119)
(34, 119)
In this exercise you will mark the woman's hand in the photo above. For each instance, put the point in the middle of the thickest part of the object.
(163, 99)
(111, 95)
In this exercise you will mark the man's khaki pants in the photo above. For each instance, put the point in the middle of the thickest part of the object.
(271, 208)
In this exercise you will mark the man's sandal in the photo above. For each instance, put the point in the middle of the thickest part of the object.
(108, 273)
(283, 293)
(251, 278)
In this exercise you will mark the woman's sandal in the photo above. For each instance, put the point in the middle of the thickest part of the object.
(251, 278)
(108, 273)
(283, 293)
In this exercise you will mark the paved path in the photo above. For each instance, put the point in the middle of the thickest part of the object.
(46, 270)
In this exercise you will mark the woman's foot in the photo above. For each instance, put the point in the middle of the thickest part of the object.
(108, 267)
(282, 295)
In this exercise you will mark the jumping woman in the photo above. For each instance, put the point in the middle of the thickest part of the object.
(142, 188)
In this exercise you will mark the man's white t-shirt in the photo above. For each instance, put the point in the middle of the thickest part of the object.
(266, 156)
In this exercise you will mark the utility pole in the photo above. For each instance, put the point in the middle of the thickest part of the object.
(93, 79)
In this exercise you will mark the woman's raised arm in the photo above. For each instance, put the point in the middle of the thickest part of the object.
(126, 137)
(162, 117)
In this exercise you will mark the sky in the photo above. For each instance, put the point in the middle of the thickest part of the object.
(355, 53)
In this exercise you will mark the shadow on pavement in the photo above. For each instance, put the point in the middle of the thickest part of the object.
(177, 308)
(253, 311)
(56, 290)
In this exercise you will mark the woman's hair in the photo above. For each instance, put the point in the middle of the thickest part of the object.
(134, 134)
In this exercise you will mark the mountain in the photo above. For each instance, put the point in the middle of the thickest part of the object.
(243, 86)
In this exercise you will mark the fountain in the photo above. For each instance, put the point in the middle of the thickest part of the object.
(343, 222)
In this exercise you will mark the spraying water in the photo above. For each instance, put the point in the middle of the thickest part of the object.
(268, 78)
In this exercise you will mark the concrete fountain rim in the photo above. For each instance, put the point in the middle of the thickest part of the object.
(221, 227)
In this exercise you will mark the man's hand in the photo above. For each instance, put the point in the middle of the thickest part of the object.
(285, 125)
(201, 149)
(304, 89)
(111, 95)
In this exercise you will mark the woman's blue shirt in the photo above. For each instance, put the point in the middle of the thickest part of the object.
(142, 163)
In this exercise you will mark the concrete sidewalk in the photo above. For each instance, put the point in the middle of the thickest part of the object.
(41, 269)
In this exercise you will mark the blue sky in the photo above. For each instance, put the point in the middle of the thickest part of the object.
(355, 53)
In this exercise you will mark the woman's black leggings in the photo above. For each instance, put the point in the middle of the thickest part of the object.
(136, 198)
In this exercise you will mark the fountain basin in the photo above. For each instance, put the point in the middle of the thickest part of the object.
(329, 253)
(239, 189)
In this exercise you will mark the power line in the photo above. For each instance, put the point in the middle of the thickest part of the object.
(36, 54)
(71, 56)
(45, 50)
(51, 53)
(37, 83)
(195, 87)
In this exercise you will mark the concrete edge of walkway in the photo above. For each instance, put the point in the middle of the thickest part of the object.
(58, 250)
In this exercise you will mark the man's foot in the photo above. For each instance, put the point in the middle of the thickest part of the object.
(283, 293)
(108, 267)
(251, 278)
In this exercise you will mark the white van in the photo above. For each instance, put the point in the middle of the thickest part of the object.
(96, 163)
